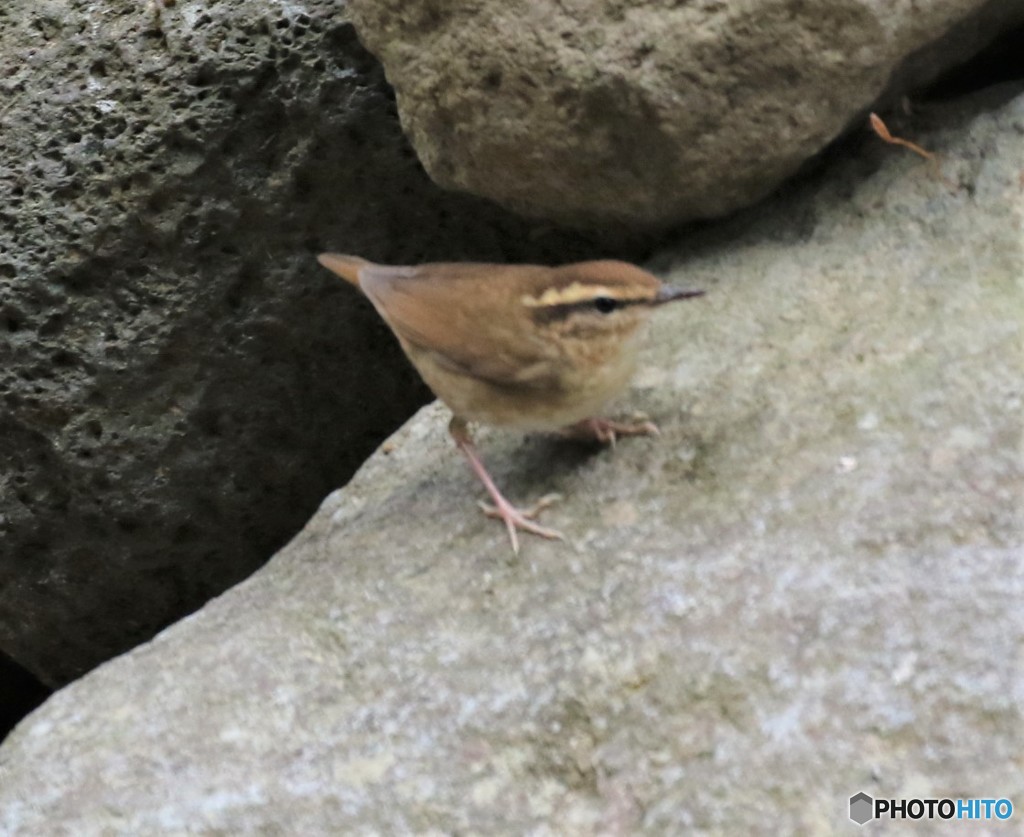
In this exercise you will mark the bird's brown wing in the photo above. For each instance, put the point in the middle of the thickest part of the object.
(438, 309)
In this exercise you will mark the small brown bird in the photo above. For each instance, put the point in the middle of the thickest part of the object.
(519, 346)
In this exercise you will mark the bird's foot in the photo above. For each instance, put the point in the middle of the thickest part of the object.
(607, 431)
(522, 518)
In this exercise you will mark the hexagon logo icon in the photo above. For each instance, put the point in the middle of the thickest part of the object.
(861, 808)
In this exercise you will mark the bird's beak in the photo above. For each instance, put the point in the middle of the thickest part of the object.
(666, 293)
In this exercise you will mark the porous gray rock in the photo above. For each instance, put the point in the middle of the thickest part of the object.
(647, 114)
(810, 586)
(180, 383)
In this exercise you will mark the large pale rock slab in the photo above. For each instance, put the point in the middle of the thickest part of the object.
(180, 383)
(809, 586)
(646, 114)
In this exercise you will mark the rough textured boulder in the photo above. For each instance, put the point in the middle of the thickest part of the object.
(650, 113)
(809, 586)
(180, 383)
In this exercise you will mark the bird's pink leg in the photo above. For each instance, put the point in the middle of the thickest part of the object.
(502, 509)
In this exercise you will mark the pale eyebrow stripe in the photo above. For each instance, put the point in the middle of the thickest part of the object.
(549, 313)
(578, 293)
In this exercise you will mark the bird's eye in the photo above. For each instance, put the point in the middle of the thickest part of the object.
(605, 304)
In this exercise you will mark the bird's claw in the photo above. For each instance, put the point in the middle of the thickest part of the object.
(607, 431)
(523, 518)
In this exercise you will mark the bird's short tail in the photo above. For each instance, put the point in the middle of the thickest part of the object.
(347, 267)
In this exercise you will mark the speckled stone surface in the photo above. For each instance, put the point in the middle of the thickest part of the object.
(809, 586)
(648, 113)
